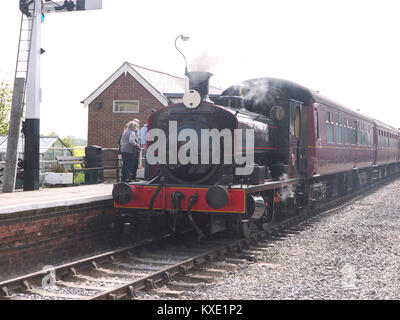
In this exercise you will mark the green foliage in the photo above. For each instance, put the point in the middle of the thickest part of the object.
(79, 151)
(79, 178)
(72, 142)
(68, 141)
(52, 133)
(5, 106)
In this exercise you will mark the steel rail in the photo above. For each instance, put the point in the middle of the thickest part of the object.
(78, 265)
(163, 276)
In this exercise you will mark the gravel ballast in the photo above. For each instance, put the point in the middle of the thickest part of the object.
(353, 253)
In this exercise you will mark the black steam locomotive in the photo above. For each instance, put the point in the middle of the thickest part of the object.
(263, 149)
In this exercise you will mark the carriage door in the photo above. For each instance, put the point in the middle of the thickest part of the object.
(296, 149)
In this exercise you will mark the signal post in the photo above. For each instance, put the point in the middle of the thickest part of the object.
(31, 126)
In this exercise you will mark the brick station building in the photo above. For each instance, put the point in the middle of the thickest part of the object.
(130, 92)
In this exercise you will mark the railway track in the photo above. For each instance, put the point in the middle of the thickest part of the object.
(161, 267)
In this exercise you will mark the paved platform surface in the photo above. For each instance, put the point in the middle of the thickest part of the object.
(19, 201)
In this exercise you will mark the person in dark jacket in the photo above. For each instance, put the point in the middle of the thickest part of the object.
(129, 148)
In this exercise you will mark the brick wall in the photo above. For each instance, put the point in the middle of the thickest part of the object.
(104, 126)
(33, 239)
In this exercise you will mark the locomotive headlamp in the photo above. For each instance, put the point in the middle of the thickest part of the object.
(122, 193)
(217, 197)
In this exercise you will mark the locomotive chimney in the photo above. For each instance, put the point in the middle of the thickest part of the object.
(199, 81)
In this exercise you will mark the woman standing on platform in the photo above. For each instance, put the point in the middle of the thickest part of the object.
(129, 149)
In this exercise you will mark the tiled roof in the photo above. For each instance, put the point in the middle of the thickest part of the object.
(158, 83)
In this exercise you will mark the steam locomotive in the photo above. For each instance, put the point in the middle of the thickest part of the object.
(266, 148)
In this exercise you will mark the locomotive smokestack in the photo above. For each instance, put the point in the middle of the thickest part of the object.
(199, 81)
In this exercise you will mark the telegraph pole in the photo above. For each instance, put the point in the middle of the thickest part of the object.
(31, 126)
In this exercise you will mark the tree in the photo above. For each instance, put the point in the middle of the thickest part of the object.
(68, 141)
(5, 107)
(52, 133)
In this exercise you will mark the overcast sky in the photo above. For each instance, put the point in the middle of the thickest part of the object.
(347, 50)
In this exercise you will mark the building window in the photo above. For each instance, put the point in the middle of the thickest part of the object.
(126, 106)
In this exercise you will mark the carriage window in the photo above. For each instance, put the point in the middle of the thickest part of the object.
(379, 138)
(369, 136)
(338, 129)
(363, 139)
(384, 139)
(353, 125)
(329, 127)
(346, 130)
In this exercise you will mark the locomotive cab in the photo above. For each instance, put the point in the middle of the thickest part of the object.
(285, 105)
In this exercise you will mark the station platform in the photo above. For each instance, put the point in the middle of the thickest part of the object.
(19, 201)
(53, 225)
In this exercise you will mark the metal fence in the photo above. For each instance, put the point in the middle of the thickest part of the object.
(111, 163)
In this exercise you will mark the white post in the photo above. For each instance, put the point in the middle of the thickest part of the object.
(33, 97)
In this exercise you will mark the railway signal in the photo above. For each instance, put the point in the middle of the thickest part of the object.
(35, 10)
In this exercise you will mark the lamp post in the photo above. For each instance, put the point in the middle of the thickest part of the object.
(184, 38)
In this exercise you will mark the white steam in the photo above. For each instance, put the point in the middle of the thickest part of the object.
(204, 62)
(286, 191)
(255, 91)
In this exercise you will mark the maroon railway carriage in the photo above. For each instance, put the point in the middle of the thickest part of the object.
(307, 148)
(386, 141)
(342, 140)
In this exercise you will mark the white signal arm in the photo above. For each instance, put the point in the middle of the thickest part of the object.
(70, 5)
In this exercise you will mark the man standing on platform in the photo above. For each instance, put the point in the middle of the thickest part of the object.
(143, 137)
